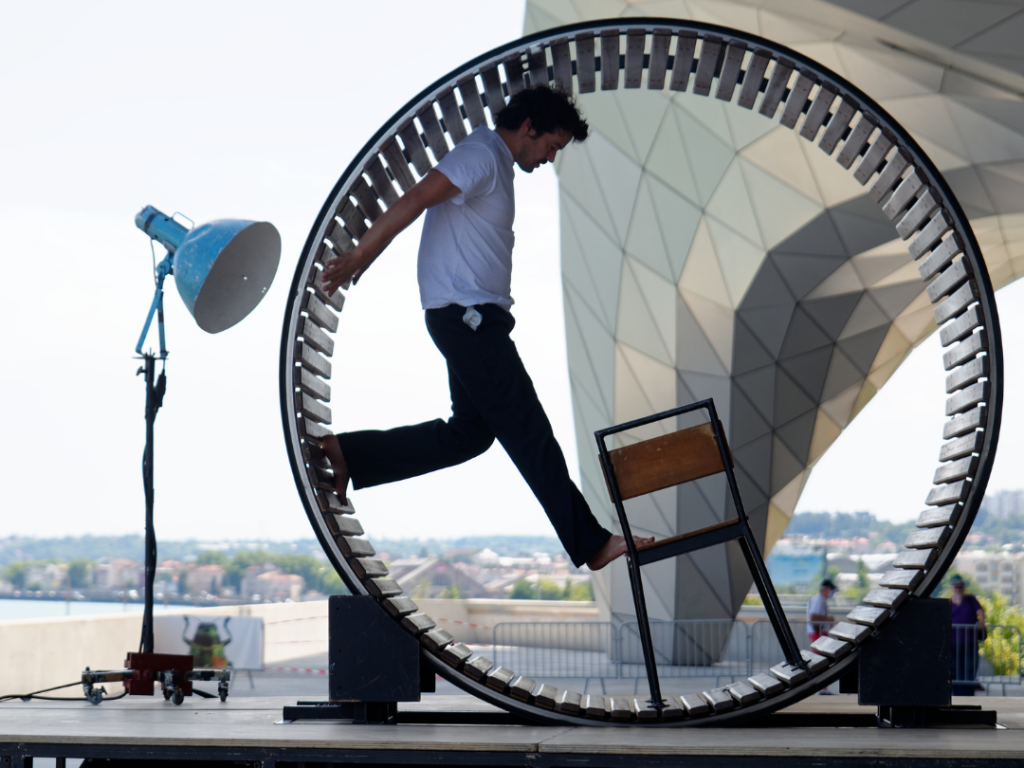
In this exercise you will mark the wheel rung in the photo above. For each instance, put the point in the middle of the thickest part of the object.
(837, 125)
(635, 42)
(734, 55)
(609, 60)
(436, 640)
(937, 517)
(478, 667)
(796, 101)
(657, 66)
(930, 239)
(961, 328)
(452, 116)
(776, 89)
(956, 302)
(951, 278)
(413, 143)
(856, 141)
(472, 103)
(873, 158)
(521, 687)
(753, 78)
(832, 647)
(964, 423)
(586, 73)
(966, 375)
(686, 43)
(818, 112)
(710, 48)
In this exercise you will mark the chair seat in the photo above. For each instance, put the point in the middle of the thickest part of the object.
(689, 542)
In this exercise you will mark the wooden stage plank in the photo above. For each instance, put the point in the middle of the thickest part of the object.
(254, 723)
(240, 722)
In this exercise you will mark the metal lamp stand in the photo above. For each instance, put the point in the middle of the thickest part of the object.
(174, 672)
(154, 399)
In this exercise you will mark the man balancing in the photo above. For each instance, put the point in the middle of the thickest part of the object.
(465, 279)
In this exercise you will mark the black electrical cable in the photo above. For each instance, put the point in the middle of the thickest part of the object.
(35, 694)
(70, 698)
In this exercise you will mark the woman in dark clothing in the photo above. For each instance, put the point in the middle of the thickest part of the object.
(968, 626)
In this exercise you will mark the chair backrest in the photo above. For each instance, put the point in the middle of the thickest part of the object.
(667, 460)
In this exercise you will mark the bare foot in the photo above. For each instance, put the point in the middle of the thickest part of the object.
(614, 548)
(329, 445)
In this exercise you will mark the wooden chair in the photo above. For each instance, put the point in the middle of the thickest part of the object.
(669, 460)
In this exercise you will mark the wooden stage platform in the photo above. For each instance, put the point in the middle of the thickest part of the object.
(251, 731)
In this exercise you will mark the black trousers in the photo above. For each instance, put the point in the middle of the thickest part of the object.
(492, 397)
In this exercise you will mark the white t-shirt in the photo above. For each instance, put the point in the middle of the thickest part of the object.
(817, 605)
(465, 252)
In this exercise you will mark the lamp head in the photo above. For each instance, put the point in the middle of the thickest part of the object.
(222, 268)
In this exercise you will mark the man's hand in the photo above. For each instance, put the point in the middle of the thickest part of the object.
(346, 267)
(432, 189)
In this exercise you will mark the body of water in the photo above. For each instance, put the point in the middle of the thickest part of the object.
(43, 609)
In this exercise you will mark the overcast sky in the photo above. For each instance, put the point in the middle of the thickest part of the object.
(248, 110)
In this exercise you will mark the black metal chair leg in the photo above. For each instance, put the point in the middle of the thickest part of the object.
(772, 606)
(637, 586)
(644, 627)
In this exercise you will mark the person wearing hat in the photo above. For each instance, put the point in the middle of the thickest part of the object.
(968, 629)
(818, 619)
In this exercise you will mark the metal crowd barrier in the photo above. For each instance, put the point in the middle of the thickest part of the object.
(721, 650)
(558, 649)
(984, 660)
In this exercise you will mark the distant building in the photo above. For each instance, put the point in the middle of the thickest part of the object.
(47, 576)
(999, 571)
(119, 573)
(267, 582)
(486, 557)
(1004, 503)
(429, 577)
(789, 564)
(208, 579)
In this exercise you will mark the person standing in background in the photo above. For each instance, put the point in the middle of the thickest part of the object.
(968, 629)
(818, 619)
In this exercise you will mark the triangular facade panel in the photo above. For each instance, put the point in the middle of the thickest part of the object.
(757, 270)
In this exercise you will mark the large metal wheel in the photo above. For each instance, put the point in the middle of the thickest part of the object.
(753, 73)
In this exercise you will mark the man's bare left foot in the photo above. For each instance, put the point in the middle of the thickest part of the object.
(331, 447)
(613, 549)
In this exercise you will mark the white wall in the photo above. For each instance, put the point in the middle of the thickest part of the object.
(39, 653)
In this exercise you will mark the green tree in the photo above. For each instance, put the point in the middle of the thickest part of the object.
(332, 584)
(863, 584)
(213, 557)
(15, 573)
(235, 570)
(550, 590)
(79, 572)
(308, 567)
(451, 592)
(1002, 647)
(523, 590)
(862, 574)
(583, 591)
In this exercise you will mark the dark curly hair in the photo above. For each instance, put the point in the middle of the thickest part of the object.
(548, 111)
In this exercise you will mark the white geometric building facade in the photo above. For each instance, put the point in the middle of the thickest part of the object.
(709, 252)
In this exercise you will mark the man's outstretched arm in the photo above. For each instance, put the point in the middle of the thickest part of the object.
(432, 189)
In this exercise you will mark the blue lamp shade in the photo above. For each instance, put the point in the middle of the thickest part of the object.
(224, 268)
